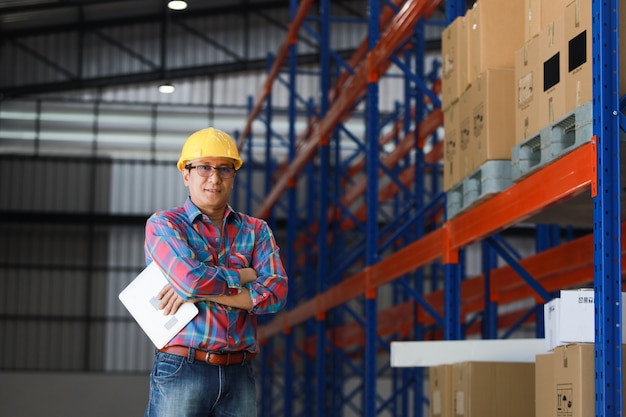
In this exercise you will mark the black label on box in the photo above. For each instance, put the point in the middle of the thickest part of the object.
(551, 74)
(577, 51)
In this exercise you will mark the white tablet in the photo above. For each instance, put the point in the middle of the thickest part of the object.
(140, 298)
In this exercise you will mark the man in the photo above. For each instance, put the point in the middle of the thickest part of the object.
(226, 262)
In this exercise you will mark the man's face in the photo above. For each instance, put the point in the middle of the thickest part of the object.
(209, 194)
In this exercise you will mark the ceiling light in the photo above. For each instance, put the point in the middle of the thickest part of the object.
(177, 5)
(166, 88)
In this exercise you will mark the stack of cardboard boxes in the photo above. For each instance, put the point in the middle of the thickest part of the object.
(478, 86)
(509, 69)
(560, 383)
(564, 377)
(553, 69)
(482, 389)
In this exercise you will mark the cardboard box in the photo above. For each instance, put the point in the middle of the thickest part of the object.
(567, 388)
(551, 10)
(579, 86)
(491, 104)
(574, 383)
(496, 32)
(454, 65)
(544, 382)
(494, 389)
(578, 30)
(450, 144)
(466, 159)
(553, 58)
(540, 13)
(440, 391)
(532, 19)
(528, 76)
(571, 318)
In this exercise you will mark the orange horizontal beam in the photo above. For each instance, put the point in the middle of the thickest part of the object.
(399, 318)
(307, 310)
(400, 29)
(566, 257)
(344, 291)
(276, 326)
(413, 256)
(553, 268)
(558, 181)
(565, 266)
(563, 258)
(560, 274)
(576, 278)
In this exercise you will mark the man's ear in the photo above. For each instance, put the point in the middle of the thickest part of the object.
(185, 174)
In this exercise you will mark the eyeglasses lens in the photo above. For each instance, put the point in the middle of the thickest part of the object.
(208, 170)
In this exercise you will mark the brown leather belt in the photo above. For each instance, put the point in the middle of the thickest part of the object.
(213, 358)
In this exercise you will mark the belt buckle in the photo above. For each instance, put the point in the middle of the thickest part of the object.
(207, 357)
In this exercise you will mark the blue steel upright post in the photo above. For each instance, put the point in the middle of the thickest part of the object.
(371, 195)
(452, 270)
(322, 241)
(606, 203)
(292, 213)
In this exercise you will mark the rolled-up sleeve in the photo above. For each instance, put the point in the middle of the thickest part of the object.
(269, 291)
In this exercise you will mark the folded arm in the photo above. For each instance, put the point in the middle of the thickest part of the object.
(171, 302)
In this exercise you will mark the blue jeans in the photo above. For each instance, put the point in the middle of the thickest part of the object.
(182, 387)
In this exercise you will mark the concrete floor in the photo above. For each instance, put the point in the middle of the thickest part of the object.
(32, 394)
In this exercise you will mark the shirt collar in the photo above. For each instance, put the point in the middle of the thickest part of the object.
(193, 212)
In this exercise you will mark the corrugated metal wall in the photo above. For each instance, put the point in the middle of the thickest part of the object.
(80, 173)
(71, 238)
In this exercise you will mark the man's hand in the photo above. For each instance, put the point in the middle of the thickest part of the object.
(247, 275)
(170, 301)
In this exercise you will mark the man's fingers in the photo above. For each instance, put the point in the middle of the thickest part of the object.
(164, 291)
(170, 301)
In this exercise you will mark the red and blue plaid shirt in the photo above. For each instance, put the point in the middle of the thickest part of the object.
(199, 262)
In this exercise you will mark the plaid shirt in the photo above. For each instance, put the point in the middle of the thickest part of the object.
(200, 262)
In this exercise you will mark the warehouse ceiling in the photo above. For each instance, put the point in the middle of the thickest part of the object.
(31, 16)
(51, 46)
(55, 45)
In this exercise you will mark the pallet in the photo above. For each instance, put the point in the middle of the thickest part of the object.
(491, 178)
(552, 142)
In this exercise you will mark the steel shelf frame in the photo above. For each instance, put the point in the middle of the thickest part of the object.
(607, 216)
(338, 330)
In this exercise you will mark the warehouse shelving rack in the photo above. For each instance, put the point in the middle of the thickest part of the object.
(333, 330)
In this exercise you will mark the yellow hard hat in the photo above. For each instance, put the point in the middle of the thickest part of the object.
(206, 143)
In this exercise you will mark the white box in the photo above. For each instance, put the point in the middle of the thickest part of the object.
(571, 318)
(551, 313)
